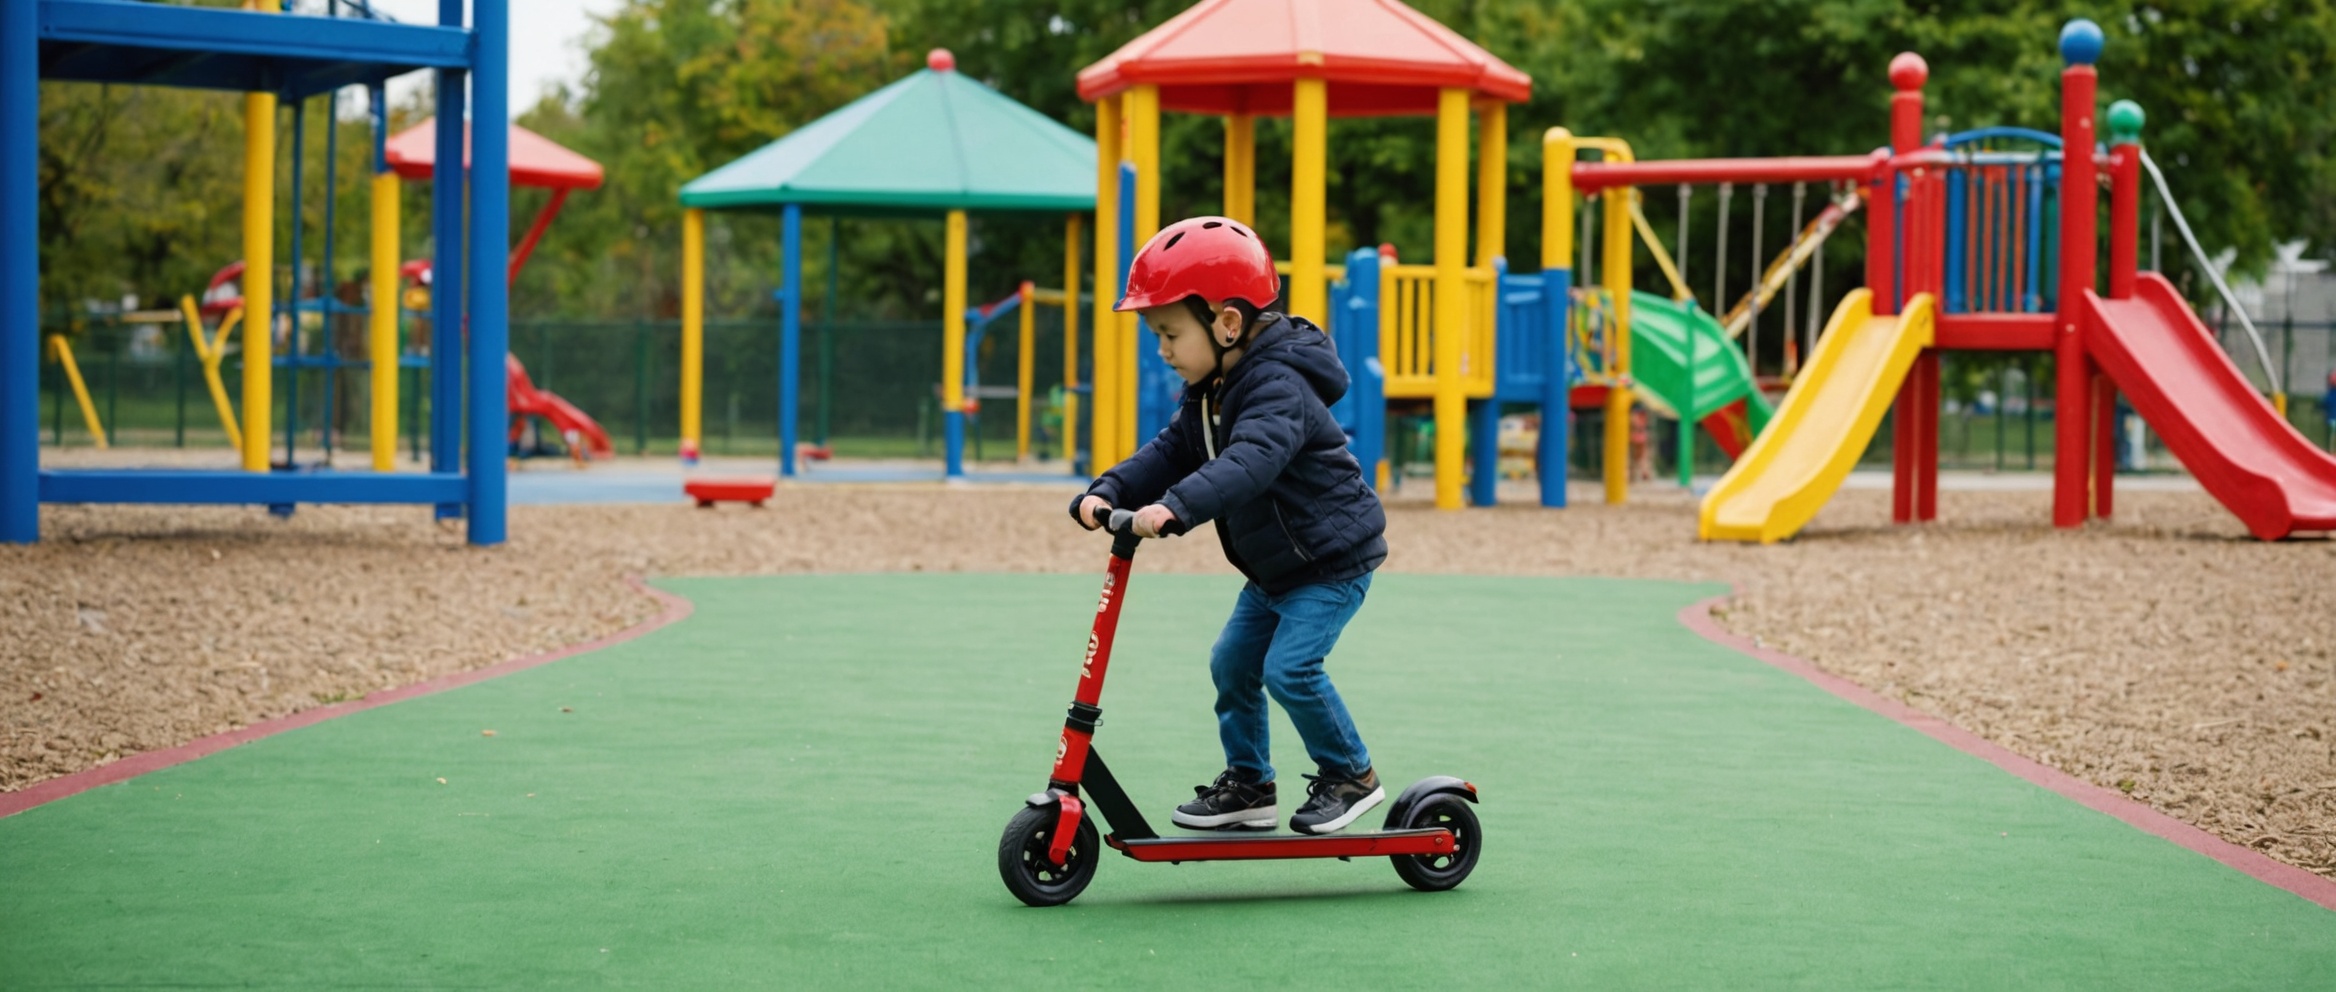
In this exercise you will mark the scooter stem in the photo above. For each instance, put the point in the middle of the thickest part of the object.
(1070, 756)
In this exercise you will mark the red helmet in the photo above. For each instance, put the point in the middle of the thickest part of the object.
(1214, 258)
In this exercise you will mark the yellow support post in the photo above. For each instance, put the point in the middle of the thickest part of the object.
(1615, 266)
(1451, 293)
(1143, 138)
(1241, 168)
(208, 353)
(1070, 435)
(953, 316)
(693, 330)
(1492, 183)
(381, 336)
(1309, 295)
(80, 390)
(1557, 199)
(1103, 443)
(259, 270)
(1025, 366)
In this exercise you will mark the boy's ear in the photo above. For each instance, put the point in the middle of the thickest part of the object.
(1228, 328)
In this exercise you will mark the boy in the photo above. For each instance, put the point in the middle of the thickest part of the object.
(1253, 447)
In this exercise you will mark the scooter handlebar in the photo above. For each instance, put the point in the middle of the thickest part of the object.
(1118, 521)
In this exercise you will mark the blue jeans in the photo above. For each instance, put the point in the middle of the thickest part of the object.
(1276, 644)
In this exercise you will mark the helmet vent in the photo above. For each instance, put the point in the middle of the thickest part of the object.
(1212, 225)
(1172, 240)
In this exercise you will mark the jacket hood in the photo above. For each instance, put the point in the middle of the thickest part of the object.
(1295, 342)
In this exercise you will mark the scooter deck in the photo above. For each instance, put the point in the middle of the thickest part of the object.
(1370, 844)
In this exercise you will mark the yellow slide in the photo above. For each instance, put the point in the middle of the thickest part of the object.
(1823, 424)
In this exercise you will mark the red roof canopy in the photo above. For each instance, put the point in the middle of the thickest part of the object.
(1240, 56)
(535, 159)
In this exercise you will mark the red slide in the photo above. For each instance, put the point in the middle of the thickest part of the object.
(2168, 365)
(582, 433)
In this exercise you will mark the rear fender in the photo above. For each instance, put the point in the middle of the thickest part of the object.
(1420, 791)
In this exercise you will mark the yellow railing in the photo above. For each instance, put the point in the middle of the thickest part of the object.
(1407, 307)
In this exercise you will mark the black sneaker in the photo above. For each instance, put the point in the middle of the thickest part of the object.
(1333, 802)
(1232, 802)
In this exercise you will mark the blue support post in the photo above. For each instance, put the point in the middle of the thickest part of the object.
(1557, 380)
(1484, 449)
(1957, 182)
(2030, 302)
(790, 298)
(1484, 416)
(1157, 386)
(20, 274)
(1355, 331)
(490, 256)
(446, 299)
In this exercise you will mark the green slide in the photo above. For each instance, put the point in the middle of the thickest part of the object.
(1675, 345)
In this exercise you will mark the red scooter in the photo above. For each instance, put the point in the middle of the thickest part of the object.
(1050, 849)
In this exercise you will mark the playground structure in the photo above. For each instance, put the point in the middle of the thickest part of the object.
(1024, 304)
(876, 156)
(1975, 249)
(1313, 61)
(271, 57)
(1520, 340)
(535, 161)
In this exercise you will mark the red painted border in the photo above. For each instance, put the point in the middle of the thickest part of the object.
(2140, 816)
(12, 803)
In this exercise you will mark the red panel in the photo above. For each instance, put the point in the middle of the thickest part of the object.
(1378, 844)
(1994, 332)
(1269, 44)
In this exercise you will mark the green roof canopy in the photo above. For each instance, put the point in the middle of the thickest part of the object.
(932, 141)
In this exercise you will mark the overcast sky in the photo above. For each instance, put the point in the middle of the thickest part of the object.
(547, 43)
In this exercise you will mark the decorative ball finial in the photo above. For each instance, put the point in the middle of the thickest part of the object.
(940, 60)
(1908, 72)
(2125, 120)
(2080, 42)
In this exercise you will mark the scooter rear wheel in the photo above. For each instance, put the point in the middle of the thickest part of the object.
(1022, 861)
(1437, 872)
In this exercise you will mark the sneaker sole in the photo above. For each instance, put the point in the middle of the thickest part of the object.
(1354, 812)
(1261, 818)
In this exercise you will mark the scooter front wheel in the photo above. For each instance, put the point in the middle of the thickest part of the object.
(1022, 860)
(1437, 872)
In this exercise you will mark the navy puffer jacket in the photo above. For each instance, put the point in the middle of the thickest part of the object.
(1272, 469)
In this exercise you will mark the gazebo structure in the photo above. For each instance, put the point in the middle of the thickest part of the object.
(1311, 60)
(934, 142)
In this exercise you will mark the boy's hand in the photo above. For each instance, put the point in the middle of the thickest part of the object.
(1152, 519)
(1087, 509)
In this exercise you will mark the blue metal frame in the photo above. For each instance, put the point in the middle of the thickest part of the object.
(20, 335)
(111, 41)
(154, 44)
(1354, 331)
(790, 300)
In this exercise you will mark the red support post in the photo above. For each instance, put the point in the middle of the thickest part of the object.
(1910, 421)
(1929, 259)
(2125, 119)
(2080, 47)
(2104, 445)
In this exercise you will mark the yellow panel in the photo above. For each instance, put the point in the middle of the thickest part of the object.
(1822, 426)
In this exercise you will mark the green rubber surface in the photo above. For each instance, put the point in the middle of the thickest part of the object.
(802, 786)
